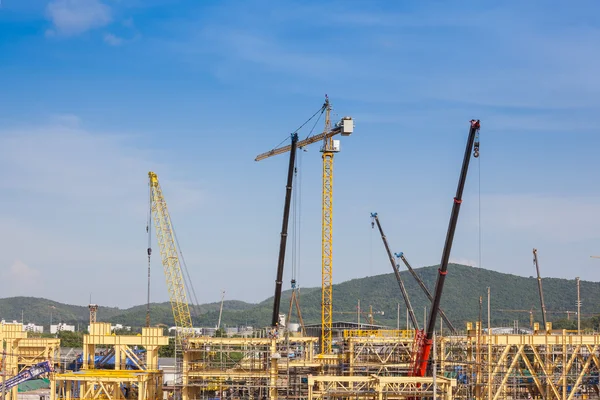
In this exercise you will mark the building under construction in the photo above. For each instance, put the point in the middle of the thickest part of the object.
(338, 362)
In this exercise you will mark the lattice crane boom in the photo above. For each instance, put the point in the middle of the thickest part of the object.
(345, 127)
(170, 259)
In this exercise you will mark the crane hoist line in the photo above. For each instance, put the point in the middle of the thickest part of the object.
(170, 260)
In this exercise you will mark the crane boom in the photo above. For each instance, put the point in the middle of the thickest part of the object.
(425, 290)
(170, 259)
(345, 127)
(424, 340)
(539, 279)
(284, 234)
(32, 372)
(411, 312)
(300, 144)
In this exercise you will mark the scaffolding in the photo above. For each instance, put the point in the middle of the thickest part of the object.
(145, 382)
(23, 352)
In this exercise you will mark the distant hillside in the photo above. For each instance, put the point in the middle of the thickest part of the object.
(463, 287)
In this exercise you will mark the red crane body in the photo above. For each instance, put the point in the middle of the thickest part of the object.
(424, 338)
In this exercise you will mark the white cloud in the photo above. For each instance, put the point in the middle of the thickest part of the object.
(463, 261)
(20, 279)
(73, 17)
(113, 40)
(559, 219)
(75, 205)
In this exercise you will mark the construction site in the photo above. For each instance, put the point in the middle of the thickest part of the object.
(437, 360)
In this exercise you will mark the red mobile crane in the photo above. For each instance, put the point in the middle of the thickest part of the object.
(423, 338)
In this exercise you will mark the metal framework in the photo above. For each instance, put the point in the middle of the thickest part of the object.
(170, 259)
(23, 352)
(248, 367)
(107, 384)
(378, 387)
(327, 240)
(143, 383)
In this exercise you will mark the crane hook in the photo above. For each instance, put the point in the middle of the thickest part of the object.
(476, 145)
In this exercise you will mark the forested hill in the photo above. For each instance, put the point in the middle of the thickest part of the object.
(464, 285)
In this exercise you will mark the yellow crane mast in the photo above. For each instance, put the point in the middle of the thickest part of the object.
(345, 127)
(170, 260)
(327, 239)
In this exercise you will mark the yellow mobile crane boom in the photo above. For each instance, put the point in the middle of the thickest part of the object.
(345, 127)
(170, 260)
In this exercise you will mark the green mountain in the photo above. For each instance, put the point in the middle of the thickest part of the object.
(464, 285)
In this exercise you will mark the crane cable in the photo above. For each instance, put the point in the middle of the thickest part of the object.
(195, 304)
(297, 204)
(320, 110)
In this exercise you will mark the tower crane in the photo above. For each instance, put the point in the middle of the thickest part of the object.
(345, 127)
(170, 261)
(424, 338)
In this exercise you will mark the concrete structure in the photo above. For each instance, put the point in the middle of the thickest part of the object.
(54, 329)
(33, 328)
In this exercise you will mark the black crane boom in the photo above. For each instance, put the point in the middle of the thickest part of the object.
(284, 228)
(411, 312)
(425, 290)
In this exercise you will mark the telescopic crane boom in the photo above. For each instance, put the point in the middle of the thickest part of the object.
(425, 290)
(424, 339)
(411, 312)
(284, 234)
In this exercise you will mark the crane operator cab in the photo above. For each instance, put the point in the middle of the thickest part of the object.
(347, 126)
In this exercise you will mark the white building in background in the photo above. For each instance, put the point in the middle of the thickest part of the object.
(33, 328)
(119, 327)
(61, 327)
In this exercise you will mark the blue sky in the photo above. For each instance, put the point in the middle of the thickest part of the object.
(95, 93)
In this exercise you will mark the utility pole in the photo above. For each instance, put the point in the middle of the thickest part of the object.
(398, 325)
(578, 308)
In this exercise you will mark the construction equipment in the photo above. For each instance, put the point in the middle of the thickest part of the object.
(221, 309)
(411, 312)
(423, 339)
(539, 280)
(29, 373)
(345, 127)
(170, 260)
(284, 228)
(424, 288)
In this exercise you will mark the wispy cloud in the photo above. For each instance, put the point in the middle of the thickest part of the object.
(556, 219)
(112, 39)
(73, 17)
(78, 201)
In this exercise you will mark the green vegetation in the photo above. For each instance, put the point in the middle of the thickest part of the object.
(464, 285)
(70, 339)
